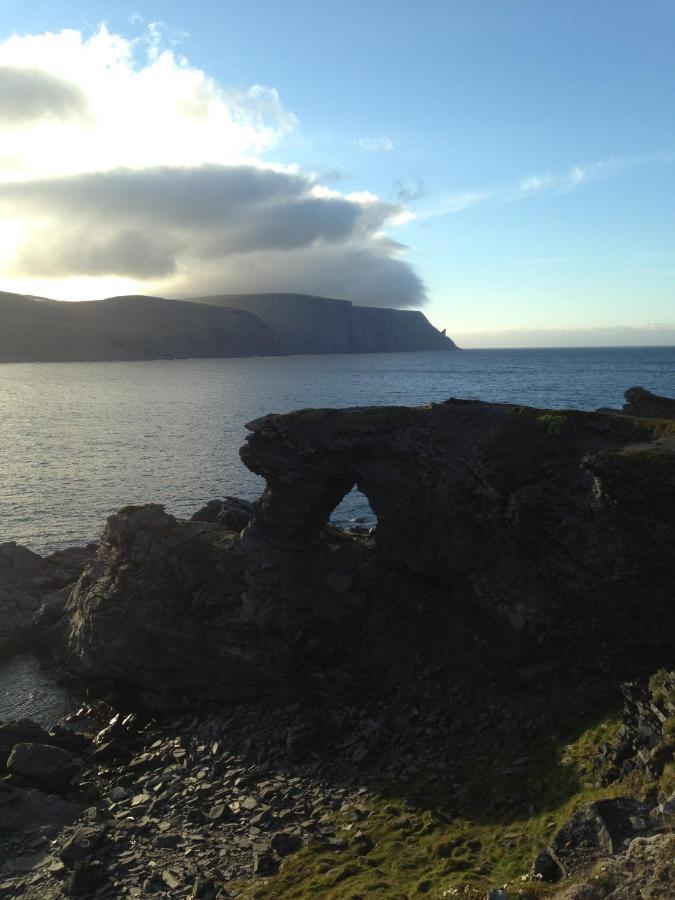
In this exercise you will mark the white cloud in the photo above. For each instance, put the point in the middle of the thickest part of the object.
(379, 144)
(160, 110)
(126, 168)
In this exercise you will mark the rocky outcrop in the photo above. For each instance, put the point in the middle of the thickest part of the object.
(640, 402)
(231, 512)
(33, 590)
(551, 529)
(307, 324)
(646, 740)
(553, 522)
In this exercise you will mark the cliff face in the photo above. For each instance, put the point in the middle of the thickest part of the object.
(322, 325)
(138, 327)
(126, 328)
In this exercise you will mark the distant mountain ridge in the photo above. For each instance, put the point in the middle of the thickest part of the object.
(137, 327)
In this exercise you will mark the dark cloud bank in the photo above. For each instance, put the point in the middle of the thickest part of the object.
(211, 229)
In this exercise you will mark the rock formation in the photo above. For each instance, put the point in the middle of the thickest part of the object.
(550, 528)
(33, 591)
(640, 402)
(551, 521)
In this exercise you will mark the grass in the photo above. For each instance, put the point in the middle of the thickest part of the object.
(478, 827)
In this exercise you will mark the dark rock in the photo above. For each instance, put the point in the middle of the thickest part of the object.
(231, 512)
(546, 868)
(265, 864)
(283, 843)
(32, 592)
(85, 879)
(21, 732)
(640, 402)
(601, 829)
(82, 844)
(45, 766)
(574, 512)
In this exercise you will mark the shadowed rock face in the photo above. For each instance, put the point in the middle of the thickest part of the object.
(537, 529)
(531, 514)
(640, 402)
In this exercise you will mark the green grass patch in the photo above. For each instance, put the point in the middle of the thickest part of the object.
(479, 827)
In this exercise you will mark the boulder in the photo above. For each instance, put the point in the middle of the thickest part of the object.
(21, 732)
(47, 767)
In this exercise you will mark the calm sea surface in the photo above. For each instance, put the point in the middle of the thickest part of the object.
(78, 440)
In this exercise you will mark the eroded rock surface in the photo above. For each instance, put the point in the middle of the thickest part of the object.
(544, 519)
(33, 589)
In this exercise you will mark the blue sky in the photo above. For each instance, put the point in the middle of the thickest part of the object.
(531, 145)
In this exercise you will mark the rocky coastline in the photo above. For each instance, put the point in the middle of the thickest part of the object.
(476, 698)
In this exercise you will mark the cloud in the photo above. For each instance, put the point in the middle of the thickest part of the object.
(30, 94)
(543, 185)
(380, 144)
(215, 228)
(128, 169)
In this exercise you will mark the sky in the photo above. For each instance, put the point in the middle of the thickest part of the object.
(507, 166)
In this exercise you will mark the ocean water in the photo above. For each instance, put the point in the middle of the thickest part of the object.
(29, 691)
(78, 440)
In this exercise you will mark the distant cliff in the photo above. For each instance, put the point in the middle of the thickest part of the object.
(139, 327)
(126, 328)
(307, 324)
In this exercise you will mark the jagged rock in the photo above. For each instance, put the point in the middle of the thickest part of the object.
(82, 844)
(231, 512)
(159, 601)
(31, 591)
(601, 829)
(45, 766)
(649, 712)
(646, 870)
(640, 402)
(543, 519)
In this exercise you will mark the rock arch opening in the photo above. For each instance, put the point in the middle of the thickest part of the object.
(354, 512)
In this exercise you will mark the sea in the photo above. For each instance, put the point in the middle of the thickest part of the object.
(79, 440)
